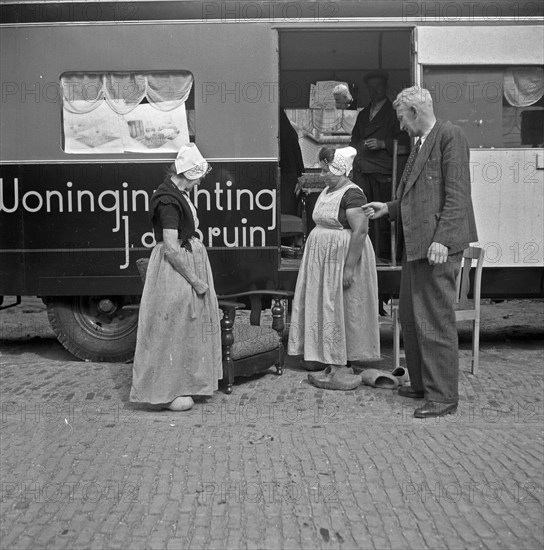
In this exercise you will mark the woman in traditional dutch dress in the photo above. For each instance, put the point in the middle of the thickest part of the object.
(335, 308)
(178, 349)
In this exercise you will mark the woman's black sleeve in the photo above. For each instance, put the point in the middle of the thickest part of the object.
(169, 216)
(353, 198)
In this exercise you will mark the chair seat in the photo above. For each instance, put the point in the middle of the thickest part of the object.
(465, 311)
(466, 304)
(251, 345)
(466, 315)
(291, 225)
(251, 340)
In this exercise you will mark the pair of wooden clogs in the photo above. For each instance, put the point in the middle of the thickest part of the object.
(337, 377)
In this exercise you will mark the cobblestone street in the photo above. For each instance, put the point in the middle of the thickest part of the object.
(276, 464)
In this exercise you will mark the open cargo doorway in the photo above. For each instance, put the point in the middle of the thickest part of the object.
(310, 63)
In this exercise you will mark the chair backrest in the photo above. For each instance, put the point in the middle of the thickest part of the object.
(463, 281)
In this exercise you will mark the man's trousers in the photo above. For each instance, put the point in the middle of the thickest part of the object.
(427, 316)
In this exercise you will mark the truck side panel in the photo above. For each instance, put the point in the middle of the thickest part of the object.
(77, 229)
(235, 82)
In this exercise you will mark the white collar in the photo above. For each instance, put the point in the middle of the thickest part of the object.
(375, 107)
(426, 134)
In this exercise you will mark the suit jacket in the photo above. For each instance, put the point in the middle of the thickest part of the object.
(384, 126)
(434, 203)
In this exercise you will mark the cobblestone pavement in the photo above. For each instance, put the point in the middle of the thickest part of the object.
(277, 464)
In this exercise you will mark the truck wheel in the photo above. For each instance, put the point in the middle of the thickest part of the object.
(95, 328)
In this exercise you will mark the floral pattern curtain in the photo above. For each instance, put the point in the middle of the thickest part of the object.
(83, 92)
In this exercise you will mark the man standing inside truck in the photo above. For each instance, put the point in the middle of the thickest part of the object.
(373, 134)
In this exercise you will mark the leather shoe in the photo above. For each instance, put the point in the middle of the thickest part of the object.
(408, 391)
(433, 409)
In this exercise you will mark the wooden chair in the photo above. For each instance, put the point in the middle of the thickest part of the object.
(465, 309)
(469, 309)
(253, 348)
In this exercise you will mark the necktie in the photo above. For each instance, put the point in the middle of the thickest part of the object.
(405, 175)
(410, 163)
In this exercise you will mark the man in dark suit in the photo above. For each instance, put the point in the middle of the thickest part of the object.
(375, 129)
(435, 220)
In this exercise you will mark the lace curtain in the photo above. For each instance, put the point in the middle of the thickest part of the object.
(523, 86)
(123, 92)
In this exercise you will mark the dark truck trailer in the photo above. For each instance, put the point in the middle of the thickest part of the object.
(96, 97)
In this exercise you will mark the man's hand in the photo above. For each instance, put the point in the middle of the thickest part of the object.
(375, 144)
(375, 210)
(437, 254)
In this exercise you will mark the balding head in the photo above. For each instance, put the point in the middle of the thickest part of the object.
(415, 97)
(414, 107)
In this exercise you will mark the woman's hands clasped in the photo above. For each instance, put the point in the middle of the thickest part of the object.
(347, 277)
(172, 251)
(200, 287)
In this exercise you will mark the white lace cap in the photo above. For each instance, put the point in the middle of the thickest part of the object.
(198, 171)
(343, 161)
(191, 163)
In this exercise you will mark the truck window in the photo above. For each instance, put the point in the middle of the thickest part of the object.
(121, 112)
(500, 107)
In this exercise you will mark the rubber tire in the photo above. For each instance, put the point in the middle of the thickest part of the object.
(75, 332)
